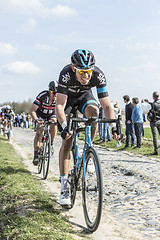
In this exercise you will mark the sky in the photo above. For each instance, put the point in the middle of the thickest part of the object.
(38, 37)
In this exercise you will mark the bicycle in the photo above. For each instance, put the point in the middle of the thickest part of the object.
(8, 132)
(45, 149)
(88, 168)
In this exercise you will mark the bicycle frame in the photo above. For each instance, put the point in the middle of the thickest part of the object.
(92, 179)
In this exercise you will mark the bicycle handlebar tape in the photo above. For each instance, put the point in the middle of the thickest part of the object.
(64, 133)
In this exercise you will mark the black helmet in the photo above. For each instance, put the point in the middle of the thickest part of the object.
(83, 58)
(53, 86)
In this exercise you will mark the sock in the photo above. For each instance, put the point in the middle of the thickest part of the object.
(35, 152)
(64, 179)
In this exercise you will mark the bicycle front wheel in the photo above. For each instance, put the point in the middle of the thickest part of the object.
(46, 156)
(92, 190)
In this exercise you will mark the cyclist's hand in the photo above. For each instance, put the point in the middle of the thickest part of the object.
(39, 121)
(65, 134)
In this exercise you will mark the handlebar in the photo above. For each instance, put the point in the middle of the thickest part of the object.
(91, 120)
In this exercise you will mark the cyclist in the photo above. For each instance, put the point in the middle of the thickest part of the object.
(74, 89)
(7, 115)
(43, 108)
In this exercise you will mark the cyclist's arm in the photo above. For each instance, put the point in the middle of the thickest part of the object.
(60, 114)
(33, 110)
(61, 100)
(107, 107)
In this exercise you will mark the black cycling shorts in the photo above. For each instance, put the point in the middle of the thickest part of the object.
(80, 103)
(44, 116)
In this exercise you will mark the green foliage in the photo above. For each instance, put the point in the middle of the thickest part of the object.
(146, 149)
(19, 107)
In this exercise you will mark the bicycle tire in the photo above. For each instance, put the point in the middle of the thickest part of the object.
(46, 156)
(73, 179)
(92, 190)
(40, 160)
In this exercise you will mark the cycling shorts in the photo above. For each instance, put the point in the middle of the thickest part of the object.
(9, 117)
(44, 116)
(80, 103)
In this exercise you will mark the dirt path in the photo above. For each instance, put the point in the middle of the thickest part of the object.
(127, 190)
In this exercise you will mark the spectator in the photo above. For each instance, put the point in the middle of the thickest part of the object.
(103, 128)
(155, 122)
(24, 119)
(128, 122)
(27, 120)
(144, 120)
(117, 112)
(137, 120)
(17, 121)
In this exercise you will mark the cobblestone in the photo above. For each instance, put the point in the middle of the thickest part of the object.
(131, 185)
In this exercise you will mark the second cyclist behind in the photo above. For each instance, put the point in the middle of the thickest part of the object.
(43, 108)
(74, 90)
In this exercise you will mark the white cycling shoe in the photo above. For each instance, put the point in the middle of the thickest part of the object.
(65, 198)
(90, 166)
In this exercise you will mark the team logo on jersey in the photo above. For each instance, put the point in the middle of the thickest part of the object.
(65, 77)
(101, 78)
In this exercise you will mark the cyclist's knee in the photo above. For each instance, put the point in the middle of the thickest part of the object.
(91, 111)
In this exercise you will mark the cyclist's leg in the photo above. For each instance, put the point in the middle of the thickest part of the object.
(92, 111)
(38, 137)
(5, 125)
(64, 164)
(89, 107)
(64, 159)
(53, 128)
(64, 156)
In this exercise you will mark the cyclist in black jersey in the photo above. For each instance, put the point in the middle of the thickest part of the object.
(74, 89)
(7, 114)
(43, 108)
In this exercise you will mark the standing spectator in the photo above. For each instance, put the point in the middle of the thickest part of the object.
(144, 120)
(27, 120)
(17, 120)
(155, 122)
(137, 120)
(103, 128)
(117, 112)
(21, 120)
(128, 122)
(24, 119)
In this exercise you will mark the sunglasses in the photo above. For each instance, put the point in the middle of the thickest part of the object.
(53, 92)
(81, 71)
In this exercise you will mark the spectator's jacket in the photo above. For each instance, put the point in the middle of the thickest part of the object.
(128, 111)
(137, 114)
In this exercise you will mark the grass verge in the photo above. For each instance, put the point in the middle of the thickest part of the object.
(146, 149)
(26, 212)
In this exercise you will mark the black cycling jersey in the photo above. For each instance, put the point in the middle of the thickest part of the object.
(7, 115)
(69, 85)
(42, 101)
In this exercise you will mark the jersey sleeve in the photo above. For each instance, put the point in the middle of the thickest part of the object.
(102, 90)
(39, 98)
(64, 79)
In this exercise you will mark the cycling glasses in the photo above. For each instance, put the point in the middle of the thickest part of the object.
(81, 71)
(53, 92)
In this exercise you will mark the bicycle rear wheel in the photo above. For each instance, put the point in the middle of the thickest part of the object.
(46, 156)
(92, 190)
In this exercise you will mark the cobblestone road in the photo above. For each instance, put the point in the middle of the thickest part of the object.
(131, 185)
